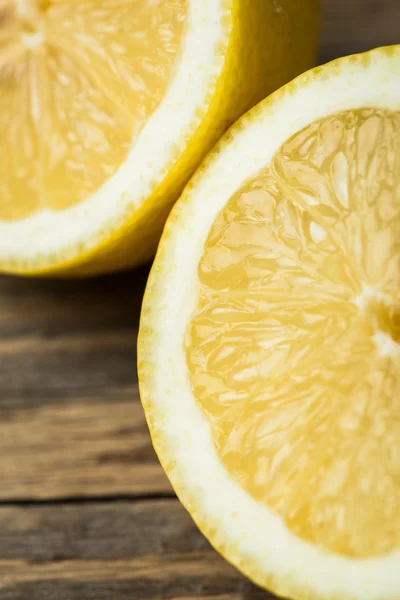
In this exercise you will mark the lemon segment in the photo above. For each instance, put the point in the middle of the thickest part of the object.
(78, 83)
(293, 350)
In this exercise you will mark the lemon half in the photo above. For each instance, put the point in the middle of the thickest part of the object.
(107, 106)
(269, 350)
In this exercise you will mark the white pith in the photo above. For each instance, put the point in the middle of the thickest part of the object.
(198, 67)
(259, 540)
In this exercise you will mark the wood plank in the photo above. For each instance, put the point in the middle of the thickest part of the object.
(351, 26)
(71, 423)
(107, 551)
(82, 448)
(62, 336)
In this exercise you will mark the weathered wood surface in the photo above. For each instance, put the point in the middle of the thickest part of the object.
(122, 550)
(351, 26)
(71, 423)
(85, 509)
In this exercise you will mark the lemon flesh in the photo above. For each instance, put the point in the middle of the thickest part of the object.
(294, 347)
(78, 81)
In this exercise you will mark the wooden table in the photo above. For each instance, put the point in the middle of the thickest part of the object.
(85, 509)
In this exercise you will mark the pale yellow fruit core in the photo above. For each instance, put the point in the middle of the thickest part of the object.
(293, 349)
(78, 80)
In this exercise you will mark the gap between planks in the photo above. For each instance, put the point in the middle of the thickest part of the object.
(77, 500)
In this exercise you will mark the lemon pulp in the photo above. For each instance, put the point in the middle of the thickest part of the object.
(293, 350)
(78, 80)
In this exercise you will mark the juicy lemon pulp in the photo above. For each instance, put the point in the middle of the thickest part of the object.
(78, 80)
(293, 350)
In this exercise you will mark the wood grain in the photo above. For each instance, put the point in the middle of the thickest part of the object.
(71, 423)
(63, 337)
(351, 26)
(86, 447)
(124, 550)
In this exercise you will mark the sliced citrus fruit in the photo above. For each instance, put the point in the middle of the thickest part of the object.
(269, 351)
(107, 106)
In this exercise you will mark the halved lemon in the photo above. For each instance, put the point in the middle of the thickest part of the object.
(269, 350)
(107, 106)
